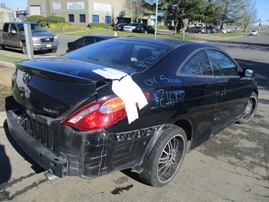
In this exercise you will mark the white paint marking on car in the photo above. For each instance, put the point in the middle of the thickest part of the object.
(126, 89)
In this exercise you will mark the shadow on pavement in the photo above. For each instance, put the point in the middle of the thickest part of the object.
(5, 167)
(35, 166)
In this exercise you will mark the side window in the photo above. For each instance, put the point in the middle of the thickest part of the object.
(98, 39)
(222, 64)
(80, 41)
(6, 27)
(13, 27)
(198, 64)
(89, 40)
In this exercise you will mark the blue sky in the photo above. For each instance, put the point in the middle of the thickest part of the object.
(261, 5)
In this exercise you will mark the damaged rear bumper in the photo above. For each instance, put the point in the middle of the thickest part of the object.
(44, 157)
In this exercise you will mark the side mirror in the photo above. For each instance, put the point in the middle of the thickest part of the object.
(13, 31)
(44, 30)
(249, 73)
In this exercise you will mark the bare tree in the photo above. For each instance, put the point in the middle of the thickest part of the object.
(135, 8)
(250, 14)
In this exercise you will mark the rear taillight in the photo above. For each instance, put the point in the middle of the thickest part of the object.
(98, 115)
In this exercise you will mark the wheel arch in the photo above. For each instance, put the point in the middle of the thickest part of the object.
(184, 124)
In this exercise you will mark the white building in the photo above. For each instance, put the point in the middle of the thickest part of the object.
(82, 12)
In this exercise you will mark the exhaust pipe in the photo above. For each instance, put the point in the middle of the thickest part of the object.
(51, 177)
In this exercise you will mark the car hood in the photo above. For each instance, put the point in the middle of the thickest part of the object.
(55, 85)
(42, 34)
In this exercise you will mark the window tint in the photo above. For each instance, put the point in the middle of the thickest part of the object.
(13, 27)
(80, 41)
(222, 64)
(6, 27)
(89, 40)
(125, 55)
(198, 64)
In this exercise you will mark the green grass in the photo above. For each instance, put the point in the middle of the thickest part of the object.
(87, 31)
(10, 59)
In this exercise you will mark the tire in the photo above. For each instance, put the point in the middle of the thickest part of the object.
(250, 109)
(23, 48)
(166, 157)
(2, 47)
(54, 50)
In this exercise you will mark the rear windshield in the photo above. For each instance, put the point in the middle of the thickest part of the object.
(121, 54)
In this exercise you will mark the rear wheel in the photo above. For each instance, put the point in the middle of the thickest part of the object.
(166, 157)
(250, 108)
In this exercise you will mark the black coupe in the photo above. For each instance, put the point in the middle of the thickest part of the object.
(136, 103)
(87, 40)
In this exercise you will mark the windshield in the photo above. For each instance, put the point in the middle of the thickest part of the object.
(121, 54)
(34, 28)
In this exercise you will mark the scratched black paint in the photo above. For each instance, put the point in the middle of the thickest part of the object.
(202, 100)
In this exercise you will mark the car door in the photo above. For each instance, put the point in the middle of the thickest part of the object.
(200, 95)
(5, 33)
(13, 36)
(232, 92)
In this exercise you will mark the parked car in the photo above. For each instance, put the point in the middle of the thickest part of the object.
(13, 36)
(136, 103)
(197, 29)
(253, 32)
(226, 30)
(119, 27)
(212, 29)
(86, 40)
(142, 28)
(130, 27)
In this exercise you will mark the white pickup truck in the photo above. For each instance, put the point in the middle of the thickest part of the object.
(13, 36)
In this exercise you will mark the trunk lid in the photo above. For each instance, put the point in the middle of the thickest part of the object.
(52, 86)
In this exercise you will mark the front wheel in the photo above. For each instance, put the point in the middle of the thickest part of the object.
(250, 108)
(54, 50)
(166, 157)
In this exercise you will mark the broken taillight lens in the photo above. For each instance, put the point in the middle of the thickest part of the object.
(98, 115)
